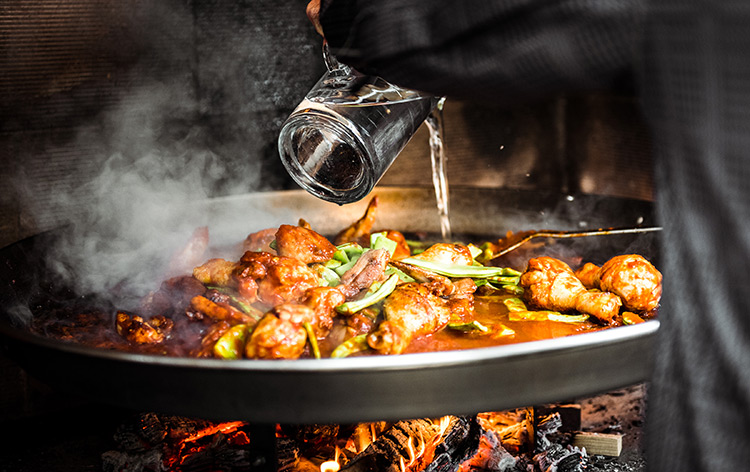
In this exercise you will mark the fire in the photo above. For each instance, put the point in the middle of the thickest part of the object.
(217, 428)
(420, 451)
(332, 465)
(192, 443)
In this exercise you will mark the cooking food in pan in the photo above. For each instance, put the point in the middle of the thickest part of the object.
(289, 292)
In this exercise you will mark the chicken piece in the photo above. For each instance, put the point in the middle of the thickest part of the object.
(411, 310)
(138, 331)
(447, 253)
(631, 277)
(219, 311)
(276, 338)
(588, 275)
(323, 301)
(279, 279)
(369, 268)
(303, 244)
(634, 279)
(260, 240)
(216, 272)
(215, 331)
(439, 284)
(359, 231)
(550, 284)
(461, 301)
(173, 296)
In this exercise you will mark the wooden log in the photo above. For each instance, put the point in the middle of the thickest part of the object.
(387, 452)
(599, 443)
(443, 453)
(460, 442)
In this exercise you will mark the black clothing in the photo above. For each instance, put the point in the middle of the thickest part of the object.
(692, 61)
(478, 49)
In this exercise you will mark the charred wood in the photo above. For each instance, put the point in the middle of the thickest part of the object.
(460, 442)
(392, 448)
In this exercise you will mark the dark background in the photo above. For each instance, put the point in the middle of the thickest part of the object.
(193, 93)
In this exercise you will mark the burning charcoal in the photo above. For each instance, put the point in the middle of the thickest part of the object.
(558, 458)
(392, 448)
(287, 454)
(142, 434)
(545, 427)
(491, 456)
(312, 434)
(118, 461)
(460, 442)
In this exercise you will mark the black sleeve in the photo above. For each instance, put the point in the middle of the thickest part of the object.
(499, 49)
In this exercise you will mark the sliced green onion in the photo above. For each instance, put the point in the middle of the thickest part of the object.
(457, 270)
(312, 339)
(381, 241)
(328, 276)
(514, 305)
(351, 346)
(510, 280)
(347, 251)
(332, 263)
(469, 327)
(341, 270)
(513, 289)
(390, 270)
(475, 251)
(232, 343)
(373, 296)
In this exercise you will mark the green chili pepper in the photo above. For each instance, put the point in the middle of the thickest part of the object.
(232, 343)
(373, 296)
(515, 304)
(312, 339)
(457, 270)
(381, 241)
(469, 327)
(351, 346)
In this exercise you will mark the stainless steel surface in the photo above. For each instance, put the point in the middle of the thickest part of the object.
(356, 389)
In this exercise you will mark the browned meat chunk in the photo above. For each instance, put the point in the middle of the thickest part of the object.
(219, 311)
(279, 279)
(634, 279)
(550, 284)
(410, 311)
(323, 300)
(588, 275)
(260, 240)
(173, 296)
(274, 338)
(369, 268)
(216, 272)
(631, 277)
(138, 331)
(215, 331)
(303, 244)
(447, 253)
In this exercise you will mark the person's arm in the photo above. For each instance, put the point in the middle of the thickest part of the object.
(486, 49)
